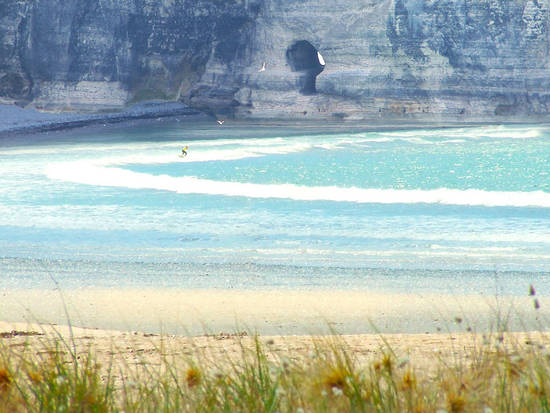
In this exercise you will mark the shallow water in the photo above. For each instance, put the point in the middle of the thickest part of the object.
(426, 210)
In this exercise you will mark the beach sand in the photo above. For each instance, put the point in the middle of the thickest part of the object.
(130, 355)
(140, 328)
(271, 312)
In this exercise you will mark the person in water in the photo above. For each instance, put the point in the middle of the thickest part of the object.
(184, 151)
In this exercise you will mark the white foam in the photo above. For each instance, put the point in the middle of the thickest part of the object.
(482, 132)
(477, 255)
(196, 154)
(88, 173)
(240, 142)
(454, 141)
(105, 170)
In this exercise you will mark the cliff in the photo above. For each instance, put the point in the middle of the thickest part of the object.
(379, 59)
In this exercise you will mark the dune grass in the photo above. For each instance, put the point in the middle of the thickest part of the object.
(497, 374)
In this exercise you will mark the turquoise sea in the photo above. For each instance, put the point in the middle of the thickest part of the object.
(457, 210)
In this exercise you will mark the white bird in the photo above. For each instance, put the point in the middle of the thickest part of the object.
(221, 121)
(262, 69)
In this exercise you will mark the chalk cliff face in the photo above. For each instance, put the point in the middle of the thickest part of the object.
(381, 59)
(90, 54)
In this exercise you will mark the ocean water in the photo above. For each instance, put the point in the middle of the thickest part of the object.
(456, 210)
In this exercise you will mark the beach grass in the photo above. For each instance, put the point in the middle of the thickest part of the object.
(50, 369)
(496, 372)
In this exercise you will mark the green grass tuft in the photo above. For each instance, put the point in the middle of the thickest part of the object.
(498, 374)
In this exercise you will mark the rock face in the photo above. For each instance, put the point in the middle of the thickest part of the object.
(381, 59)
(101, 54)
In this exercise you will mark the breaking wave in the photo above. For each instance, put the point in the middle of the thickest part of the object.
(97, 175)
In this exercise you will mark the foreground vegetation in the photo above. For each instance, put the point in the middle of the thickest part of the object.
(497, 374)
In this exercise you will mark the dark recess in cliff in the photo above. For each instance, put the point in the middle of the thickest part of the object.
(302, 57)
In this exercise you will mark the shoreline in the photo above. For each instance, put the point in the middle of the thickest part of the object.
(17, 122)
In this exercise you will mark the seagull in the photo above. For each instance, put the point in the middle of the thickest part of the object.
(262, 69)
(221, 121)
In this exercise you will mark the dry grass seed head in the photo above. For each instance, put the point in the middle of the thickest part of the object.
(89, 400)
(335, 378)
(515, 366)
(387, 362)
(35, 377)
(383, 365)
(193, 377)
(409, 381)
(456, 403)
(5, 380)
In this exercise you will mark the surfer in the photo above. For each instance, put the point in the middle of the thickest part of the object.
(184, 150)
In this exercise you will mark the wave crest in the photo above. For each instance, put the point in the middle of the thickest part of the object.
(91, 174)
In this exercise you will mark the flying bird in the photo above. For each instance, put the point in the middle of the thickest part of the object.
(262, 69)
(221, 121)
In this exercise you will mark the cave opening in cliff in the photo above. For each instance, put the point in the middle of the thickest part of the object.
(304, 58)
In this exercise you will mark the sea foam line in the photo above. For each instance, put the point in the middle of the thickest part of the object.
(483, 132)
(117, 177)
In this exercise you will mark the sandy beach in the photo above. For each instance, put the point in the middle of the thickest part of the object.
(461, 333)
(140, 326)
(130, 352)
(271, 312)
